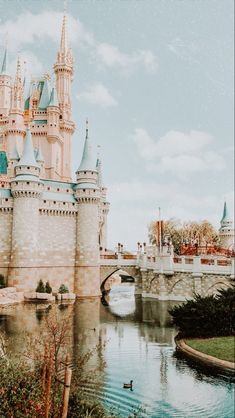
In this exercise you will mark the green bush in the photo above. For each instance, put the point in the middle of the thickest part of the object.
(41, 287)
(63, 289)
(2, 282)
(210, 316)
(48, 288)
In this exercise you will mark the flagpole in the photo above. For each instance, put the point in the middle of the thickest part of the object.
(160, 232)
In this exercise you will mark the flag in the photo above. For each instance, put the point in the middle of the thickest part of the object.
(160, 228)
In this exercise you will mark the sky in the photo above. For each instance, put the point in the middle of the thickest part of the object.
(155, 79)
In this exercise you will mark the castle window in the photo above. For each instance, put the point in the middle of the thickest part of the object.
(27, 182)
(28, 168)
(6, 200)
(92, 172)
(73, 204)
(60, 116)
(48, 188)
(58, 190)
(54, 203)
(13, 121)
(44, 201)
(94, 190)
(67, 190)
(17, 183)
(84, 190)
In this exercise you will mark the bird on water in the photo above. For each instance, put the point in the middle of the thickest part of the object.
(128, 385)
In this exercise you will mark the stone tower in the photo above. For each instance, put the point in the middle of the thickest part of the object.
(103, 207)
(87, 193)
(63, 69)
(226, 231)
(16, 128)
(26, 191)
(5, 89)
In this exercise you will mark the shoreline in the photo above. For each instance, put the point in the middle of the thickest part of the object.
(206, 359)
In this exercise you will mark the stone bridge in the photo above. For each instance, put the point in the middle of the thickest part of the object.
(167, 277)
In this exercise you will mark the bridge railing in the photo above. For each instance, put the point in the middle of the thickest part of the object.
(168, 264)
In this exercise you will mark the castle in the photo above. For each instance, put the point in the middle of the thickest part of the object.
(51, 228)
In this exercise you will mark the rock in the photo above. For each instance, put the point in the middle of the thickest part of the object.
(7, 290)
(68, 296)
(30, 295)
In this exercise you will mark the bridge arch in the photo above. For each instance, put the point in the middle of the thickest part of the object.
(215, 287)
(106, 273)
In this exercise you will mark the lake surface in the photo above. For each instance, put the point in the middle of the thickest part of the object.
(136, 341)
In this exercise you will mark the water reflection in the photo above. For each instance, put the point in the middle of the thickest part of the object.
(132, 338)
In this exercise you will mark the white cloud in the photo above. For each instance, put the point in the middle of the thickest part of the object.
(99, 95)
(28, 28)
(29, 61)
(178, 152)
(111, 56)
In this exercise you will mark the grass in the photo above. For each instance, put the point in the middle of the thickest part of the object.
(220, 347)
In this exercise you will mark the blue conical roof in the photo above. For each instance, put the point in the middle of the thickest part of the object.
(39, 156)
(225, 216)
(53, 98)
(45, 96)
(4, 62)
(28, 156)
(87, 162)
(15, 154)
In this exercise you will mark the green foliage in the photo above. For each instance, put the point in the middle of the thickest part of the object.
(40, 287)
(63, 289)
(220, 347)
(20, 391)
(48, 288)
(208, 316)
(2, 282)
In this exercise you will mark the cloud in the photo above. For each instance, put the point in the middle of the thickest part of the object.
(111, 56)
(178, 152)
(98, 95)
(135, 204)
(28, 28)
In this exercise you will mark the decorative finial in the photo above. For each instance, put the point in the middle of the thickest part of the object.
(65, 7)
(86, 127)
(98, 151)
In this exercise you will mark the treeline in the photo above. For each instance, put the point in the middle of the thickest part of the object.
(209, 316)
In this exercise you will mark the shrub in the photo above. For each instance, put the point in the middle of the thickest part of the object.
(48, 288)
(63, 289)
(2, 282)
(40, 287)
(209, 316)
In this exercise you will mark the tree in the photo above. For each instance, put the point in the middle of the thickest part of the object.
(40, 287)
(48, 288)
(201, 232)
(63, 289)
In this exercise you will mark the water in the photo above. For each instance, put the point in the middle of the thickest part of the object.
(139, 345)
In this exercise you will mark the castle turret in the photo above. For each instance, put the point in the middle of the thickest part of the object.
(13, 160)
(5, 88)
(226, 231)
(26, 190)
(103, 208)
(16, 128)
(63, 69)
(87, 193)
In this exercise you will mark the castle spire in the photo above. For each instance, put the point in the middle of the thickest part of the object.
(225, 213)
(99, 167)
(28, 156)
(5, 62)
(54, 98)
(87, 162)
(63, 39)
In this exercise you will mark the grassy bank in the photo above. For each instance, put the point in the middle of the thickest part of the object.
(220, 347)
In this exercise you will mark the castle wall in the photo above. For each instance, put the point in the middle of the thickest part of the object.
(87, 273)
(57, 241)
(24, 259)
(5, 239)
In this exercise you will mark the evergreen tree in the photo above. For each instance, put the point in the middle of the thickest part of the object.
(48, 288)
(40, 287)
